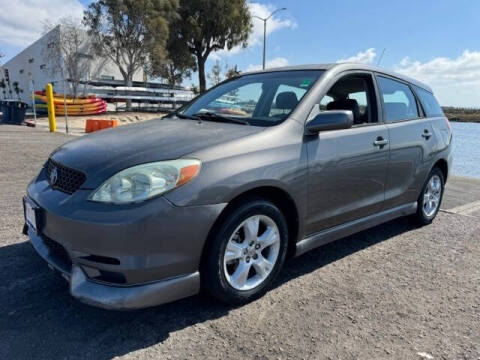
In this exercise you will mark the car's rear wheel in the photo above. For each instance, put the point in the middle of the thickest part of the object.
(246, 253)
(430, 198)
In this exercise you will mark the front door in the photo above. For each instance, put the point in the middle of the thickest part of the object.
(347, 168)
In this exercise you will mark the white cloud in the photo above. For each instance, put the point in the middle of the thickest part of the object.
(275, 23)
(275, 62)
(21, 20)
(363, 57)
(456, 81)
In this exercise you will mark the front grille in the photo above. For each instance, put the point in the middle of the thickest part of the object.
(67, 180)
(58, 252)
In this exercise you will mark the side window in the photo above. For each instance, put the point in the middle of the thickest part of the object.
(355, 93)
(325, 101)
(286, 92)
(430, 104)
(361, 98)
(398, 99)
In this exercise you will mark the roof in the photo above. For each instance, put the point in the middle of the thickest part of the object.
(345, 67)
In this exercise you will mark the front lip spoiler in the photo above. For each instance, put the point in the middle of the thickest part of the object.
(115, 297)
(132, 297)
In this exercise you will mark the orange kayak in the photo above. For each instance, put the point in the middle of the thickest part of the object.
(61, 101)
(81, 107)
(76, 111)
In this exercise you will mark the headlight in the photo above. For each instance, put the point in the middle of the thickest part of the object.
(144, 181)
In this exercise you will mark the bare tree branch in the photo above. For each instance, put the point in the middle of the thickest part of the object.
(68, 49)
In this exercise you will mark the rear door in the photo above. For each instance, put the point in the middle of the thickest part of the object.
(412, 141)
(347, 168)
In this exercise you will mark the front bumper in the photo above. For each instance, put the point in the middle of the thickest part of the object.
(116, 297)
(121, 257)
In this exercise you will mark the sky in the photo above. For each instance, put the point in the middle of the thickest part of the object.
(435, 41)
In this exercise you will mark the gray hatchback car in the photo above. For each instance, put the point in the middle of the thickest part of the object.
(216, 195)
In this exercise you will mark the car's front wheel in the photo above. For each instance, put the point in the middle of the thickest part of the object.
(246, 253)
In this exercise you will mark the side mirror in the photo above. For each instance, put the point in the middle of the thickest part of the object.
(330, 120)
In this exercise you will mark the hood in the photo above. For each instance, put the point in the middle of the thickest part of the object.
(104, 153)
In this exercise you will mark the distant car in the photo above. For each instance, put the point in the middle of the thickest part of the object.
(149, 213)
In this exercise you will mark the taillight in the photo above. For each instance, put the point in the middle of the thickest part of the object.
(448, 124)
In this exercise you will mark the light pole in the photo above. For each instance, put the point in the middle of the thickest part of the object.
(265, 30)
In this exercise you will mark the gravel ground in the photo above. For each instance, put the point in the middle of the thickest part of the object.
(392, 292)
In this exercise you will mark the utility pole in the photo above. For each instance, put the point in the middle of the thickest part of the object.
(264, 42)
(34, 107)
(265, 31)
(65, 109)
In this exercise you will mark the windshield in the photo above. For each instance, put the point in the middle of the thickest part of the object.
(263, 99)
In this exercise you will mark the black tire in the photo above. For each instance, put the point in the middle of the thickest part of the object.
(213, 278)
(420, 217)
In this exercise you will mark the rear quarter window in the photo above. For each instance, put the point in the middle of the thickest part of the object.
(430, 105)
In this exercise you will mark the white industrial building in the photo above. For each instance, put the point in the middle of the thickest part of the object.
(33, 69)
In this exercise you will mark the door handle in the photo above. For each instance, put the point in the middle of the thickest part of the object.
(380, 142)
(426, 134)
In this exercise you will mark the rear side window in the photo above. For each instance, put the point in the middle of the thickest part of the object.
(398, 99)
(430, 104)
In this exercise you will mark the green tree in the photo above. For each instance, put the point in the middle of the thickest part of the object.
(194, 89)
(215, 75)
(179, 63)
(210, 25)
(232, 72)
(130, 32)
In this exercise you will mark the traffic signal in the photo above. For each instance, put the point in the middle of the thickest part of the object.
(7, 78)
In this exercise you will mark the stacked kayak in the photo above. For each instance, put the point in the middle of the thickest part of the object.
(90, 105)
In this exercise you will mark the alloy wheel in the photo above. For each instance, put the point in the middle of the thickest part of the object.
(432, 196)
(251, 252)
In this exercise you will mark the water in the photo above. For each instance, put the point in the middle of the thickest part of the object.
(466, 149)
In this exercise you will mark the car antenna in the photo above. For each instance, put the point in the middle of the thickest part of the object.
(381, 57)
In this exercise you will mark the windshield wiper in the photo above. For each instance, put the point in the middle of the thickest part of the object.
(183, 116)
(216, 117)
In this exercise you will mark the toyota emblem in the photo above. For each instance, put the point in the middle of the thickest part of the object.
(53, 176)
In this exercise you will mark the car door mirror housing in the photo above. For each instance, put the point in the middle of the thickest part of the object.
(330, 120)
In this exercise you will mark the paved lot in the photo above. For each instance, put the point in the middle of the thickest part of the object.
(392, 292)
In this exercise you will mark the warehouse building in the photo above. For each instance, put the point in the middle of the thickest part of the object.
(34, 67)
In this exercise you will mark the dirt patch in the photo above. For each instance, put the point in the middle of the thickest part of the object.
(76, 124)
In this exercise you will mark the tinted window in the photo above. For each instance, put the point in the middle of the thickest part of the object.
(399, 101)
(429, 103)
(263, 99)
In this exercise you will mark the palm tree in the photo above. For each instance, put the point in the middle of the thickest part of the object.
(3, 86)
(17, 89)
